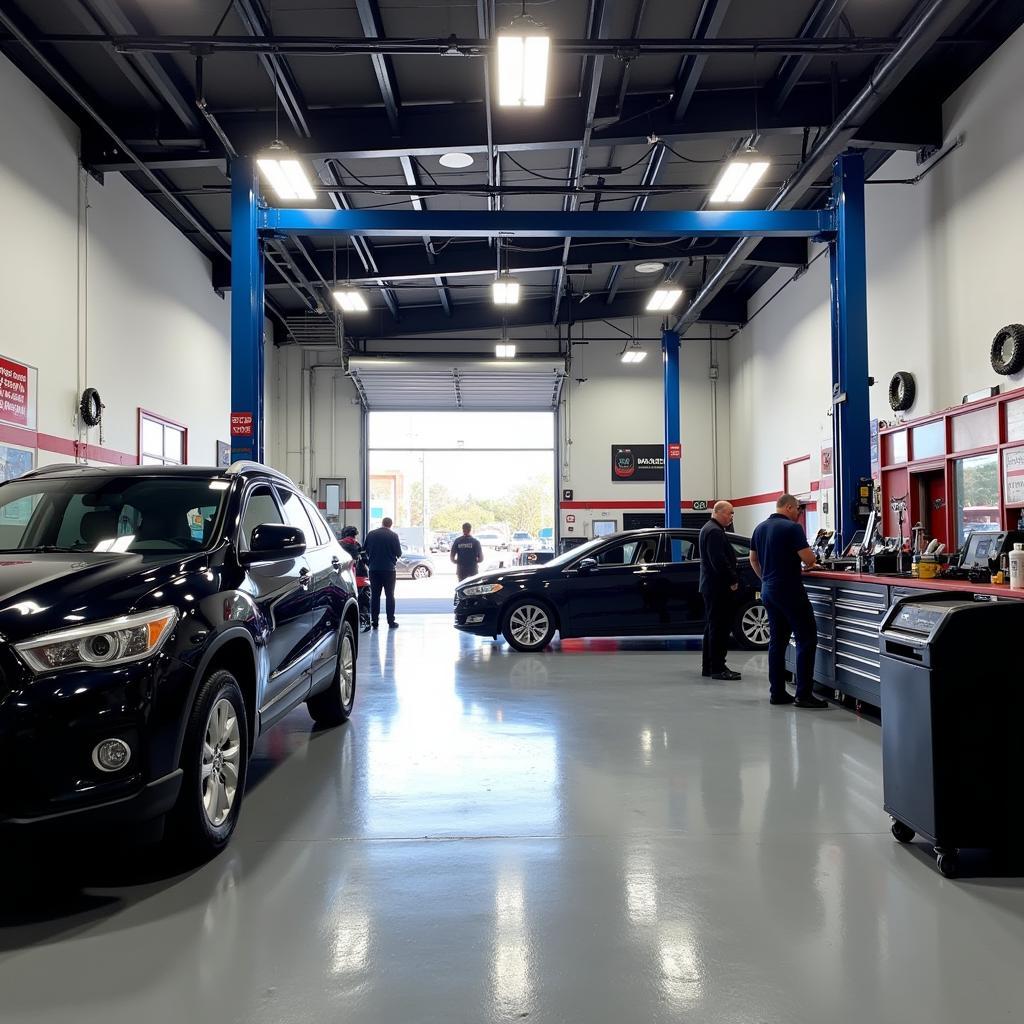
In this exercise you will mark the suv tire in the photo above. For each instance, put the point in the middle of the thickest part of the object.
(529, 626)
(334, 705)
(214, 762)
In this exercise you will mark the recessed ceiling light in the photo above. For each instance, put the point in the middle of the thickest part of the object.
(649, 268)
(456, 161)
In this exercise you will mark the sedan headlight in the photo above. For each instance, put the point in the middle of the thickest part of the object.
(479, 589)
(111, 642)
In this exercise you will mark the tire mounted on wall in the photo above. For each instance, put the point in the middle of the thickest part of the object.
(902, 391)
(1003, 364)
(90, 408)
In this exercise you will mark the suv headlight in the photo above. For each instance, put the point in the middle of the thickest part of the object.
(111, 642)
(479, 589)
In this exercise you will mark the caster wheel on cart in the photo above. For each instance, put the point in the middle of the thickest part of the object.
(947, 862)
(902, 833)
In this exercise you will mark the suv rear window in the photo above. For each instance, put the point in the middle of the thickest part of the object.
(105, 513)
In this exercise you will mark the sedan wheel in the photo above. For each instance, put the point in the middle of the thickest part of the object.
(529, 627)
(421, 572)
(752, 628)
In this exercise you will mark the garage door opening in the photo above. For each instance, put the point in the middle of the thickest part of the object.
(431, 471)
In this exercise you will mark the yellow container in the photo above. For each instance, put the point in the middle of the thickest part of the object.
(928, 568)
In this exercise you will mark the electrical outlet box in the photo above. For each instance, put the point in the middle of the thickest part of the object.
(712, 373)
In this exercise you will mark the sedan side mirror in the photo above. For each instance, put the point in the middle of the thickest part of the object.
(586, 564)
(273, 542)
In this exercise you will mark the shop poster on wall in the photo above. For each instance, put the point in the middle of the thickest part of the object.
(223, 454)
(644, 462)
(18, 393)
(1013, 476)
(14, 461)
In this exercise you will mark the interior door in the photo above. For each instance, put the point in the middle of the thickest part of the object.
(331, 493)
(282, 593)
(609, 598)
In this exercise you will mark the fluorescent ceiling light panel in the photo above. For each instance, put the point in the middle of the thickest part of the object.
(351, 301)
(633, 355)
(287, 178)
(505, 291)
(738, 180)
(663, 299)
(505, 351)
(522, 70)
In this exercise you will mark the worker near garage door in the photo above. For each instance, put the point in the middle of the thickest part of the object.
(719, 583)
(778, 548)
(383, 550)
(467, 553)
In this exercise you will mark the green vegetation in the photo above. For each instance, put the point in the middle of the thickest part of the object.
(528, 507)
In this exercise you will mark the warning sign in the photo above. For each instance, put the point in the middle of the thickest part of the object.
(14, 392)
(241, 424)
(675, 451)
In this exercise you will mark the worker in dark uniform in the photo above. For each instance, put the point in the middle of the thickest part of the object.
(777, 550)
(383, 550)
(466, 553)
(719, 582)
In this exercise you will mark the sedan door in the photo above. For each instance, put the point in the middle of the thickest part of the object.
(281, 591)
(609, 597)
(681, 582)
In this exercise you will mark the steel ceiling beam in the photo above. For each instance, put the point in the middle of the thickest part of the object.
(817, 25)
(709, 20)
(409, 171)
(383, 68)
(289, 95)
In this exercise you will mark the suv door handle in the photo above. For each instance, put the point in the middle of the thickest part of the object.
(305, 578)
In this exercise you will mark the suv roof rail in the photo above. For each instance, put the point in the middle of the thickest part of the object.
(245, 466)
(55, 467)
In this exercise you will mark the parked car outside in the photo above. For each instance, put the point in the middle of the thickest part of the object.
(153, 622)
(521, 540)
(414, 566)
(633, 583)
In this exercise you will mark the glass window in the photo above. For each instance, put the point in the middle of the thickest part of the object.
(977, 495)
(1015, 420)
(323, 534)
(643, 551)
(929, 440)
(160, 443)
(895, 447)
(295, 515)
(977, 429)
(683, 549)
(260, 508)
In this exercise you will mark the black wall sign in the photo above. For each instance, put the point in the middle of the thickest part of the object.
(566, 494)
(645, 462)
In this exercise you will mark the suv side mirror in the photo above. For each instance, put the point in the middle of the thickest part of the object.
(587, 564)
(273, 542)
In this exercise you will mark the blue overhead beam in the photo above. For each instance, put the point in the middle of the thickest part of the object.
(563, 224)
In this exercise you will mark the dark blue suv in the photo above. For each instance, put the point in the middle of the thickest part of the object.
(153, 622)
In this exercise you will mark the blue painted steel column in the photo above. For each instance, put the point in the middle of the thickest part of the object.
(673, 475)
(246, 315)
(850, 406)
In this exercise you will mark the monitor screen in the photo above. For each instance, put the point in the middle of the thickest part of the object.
(980, 547)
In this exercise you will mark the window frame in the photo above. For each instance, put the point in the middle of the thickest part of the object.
(164, 422)
(281, 489)
(241, 540)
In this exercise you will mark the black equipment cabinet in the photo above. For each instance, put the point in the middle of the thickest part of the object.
(951, 704)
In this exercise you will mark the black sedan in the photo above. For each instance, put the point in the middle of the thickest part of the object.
(636, 583)
(153, 622)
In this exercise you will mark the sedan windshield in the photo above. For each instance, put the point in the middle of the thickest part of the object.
(117, 515)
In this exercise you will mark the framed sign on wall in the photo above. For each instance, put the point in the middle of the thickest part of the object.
(642, 462)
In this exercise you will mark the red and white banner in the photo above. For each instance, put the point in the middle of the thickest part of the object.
(241, 424)
(15, 392)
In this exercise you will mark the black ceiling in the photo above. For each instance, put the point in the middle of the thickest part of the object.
(635, 119)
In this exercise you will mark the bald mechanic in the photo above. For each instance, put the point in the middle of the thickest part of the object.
(778, 551)
(719, 582)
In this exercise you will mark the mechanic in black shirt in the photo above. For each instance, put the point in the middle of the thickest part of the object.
(383, 550)
(719, 582)
(466, 553)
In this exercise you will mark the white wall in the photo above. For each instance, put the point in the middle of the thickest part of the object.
(943, 270)
(97, 289)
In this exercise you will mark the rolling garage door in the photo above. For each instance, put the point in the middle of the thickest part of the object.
(421, 384)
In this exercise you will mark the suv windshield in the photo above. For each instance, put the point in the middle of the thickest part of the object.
(106, 513)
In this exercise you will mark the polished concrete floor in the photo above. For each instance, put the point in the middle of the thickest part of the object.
(593, 834)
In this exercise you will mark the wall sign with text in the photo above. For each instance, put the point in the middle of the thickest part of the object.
(17, 393)
(643, 462)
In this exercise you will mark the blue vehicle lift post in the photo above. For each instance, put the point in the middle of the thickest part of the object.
(673, 466)
(849, 307)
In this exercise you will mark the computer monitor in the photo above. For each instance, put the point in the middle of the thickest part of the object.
(603, 527)
(980, 546)
(853, 548)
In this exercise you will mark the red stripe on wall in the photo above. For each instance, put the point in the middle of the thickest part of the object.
(65, 446)
(346, 504)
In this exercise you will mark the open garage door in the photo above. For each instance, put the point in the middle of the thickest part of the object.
(411, 385)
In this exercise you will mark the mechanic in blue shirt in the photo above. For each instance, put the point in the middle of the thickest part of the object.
(778, 553)
(383, 550)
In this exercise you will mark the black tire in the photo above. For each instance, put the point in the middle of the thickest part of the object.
(334, 705)
(902, 391)
(421, 572)
(750, 629)
(90, 407)
(902, 833)
(190, 827)
(529, 625)
(1003, 362)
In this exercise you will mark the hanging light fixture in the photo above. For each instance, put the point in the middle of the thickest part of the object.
(663, 299)
(284, 173)
(633, 353)
(523, 50)
(505, 350)
(505, 289)
(346, 294)
(738, 179)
